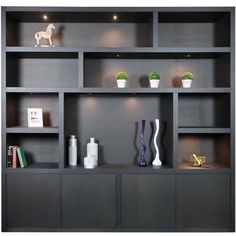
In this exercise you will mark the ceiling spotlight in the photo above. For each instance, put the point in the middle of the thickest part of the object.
(118, 55)
(114, 17)
(45, 17)
(188, 55)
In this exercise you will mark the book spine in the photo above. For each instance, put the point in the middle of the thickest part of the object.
(14, 157)
(21, 157)
(9, 156)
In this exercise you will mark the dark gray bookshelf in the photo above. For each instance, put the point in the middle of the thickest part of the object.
(74, 83)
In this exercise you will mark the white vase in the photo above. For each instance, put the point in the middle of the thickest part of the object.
(121, 83)
(154, 83)
(156, 161)
(186, 83)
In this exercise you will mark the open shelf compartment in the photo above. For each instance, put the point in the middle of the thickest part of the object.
(17, 104)
(115, 122)
(82, 29)
(194, 29)
(215, 147)
(205, 111)
(42, 69)
(210, 70)
(41, 150)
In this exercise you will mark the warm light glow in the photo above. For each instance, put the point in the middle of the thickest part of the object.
(45, 17)
(117, 55)
(114, 17)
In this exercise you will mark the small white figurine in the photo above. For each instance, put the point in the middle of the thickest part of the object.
(45, 35)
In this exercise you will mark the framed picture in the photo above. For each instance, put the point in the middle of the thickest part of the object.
(35, 117)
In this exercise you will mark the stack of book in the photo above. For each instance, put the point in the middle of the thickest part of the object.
(16, 157)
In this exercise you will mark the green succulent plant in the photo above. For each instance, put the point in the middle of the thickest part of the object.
(122, 75)
(187, 75)
(154, 75)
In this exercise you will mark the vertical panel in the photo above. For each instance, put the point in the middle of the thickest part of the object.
(148, 200)
(203, 200)
(33, 200)
(88, 200)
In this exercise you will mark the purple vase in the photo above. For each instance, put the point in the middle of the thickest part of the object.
(142, 162)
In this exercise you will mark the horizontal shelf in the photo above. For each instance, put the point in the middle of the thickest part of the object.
(208, 167)
(120, 50)
(35, 166)
(116, 90)
(26, 130)
(201, 130)
(118, 168)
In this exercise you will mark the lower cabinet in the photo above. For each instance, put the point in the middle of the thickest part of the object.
(33, 200)
(203, 200)
(88, 200)
(148, 200)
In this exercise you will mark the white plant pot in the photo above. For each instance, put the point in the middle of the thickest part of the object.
(121, 83)
(186, 83)
(154, 83)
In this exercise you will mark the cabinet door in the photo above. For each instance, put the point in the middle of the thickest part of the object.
(148, 200)
(203, 200)
(33, 200)
(88, 200)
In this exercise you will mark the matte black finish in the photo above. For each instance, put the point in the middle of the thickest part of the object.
(216, 147)
(148, 200)
(74, 83)
(203, 200)
(88, 200)
(33, 200)
(101, 116)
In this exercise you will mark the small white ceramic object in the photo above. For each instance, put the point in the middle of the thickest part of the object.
(89, 162)
(186, 83)
(92, 150)
(154, 83)
(121, 83)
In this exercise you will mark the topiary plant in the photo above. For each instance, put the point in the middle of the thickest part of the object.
(154, 75)
(187, 75)
(122, 75)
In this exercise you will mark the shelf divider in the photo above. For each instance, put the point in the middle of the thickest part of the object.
(203, 130)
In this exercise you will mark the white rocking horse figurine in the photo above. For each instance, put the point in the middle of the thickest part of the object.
(45, 35)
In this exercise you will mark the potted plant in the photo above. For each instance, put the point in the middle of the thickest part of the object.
(187, 78)
(154, 79)
(121, 78)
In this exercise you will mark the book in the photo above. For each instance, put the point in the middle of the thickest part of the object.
(21, 157)
(9, 155)
(14, 157)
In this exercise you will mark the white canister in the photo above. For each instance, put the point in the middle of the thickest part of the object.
(92, 150)
(72, 151)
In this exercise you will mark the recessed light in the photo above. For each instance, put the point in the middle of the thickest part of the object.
(114, 17)
(45, 17)
(188, 55)
(118, 55)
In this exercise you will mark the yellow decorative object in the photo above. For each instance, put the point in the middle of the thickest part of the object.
(198, 161)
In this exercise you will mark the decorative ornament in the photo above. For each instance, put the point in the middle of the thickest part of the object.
(198, 161)
(44, 35)
(142, 162)
(156, 161)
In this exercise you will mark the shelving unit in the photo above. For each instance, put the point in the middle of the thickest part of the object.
(74, 83)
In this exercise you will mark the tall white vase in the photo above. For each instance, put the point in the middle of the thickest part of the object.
(156, 161)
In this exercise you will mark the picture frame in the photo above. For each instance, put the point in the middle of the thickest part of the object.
(35, 117)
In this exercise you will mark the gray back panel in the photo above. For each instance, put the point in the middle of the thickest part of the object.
(115, 122)
(102, 72)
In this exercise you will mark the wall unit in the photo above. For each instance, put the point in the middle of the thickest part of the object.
(74, 84)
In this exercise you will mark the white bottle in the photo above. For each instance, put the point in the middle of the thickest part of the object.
(92, 150)
(72, 151)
